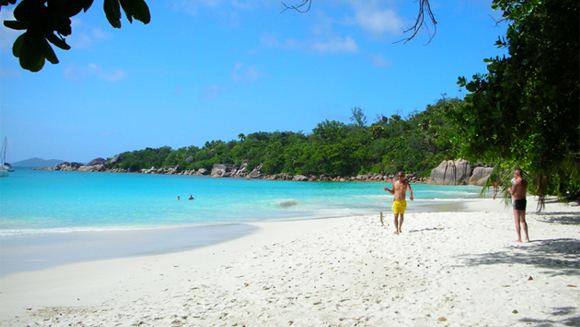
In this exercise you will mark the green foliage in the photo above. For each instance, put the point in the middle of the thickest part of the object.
(358, 117)
(525, 110)
(416, 144)
(144, 159)
(47, 21)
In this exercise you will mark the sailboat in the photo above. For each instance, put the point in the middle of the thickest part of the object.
(8, 167)
(3, 170)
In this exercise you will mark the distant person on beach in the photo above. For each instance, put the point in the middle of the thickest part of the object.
(518, 192)
(495, 189)
(400, 187)
(190, 197)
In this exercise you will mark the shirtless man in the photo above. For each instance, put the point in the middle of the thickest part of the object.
(518, 192)
(400, 188)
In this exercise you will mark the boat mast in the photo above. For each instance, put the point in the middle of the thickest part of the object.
(3, 157)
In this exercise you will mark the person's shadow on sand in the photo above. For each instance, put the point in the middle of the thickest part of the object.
(426, 229)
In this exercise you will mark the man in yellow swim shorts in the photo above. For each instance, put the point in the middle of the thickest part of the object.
(400, 187)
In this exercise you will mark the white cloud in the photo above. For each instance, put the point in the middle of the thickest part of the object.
(273, 41)
(241, 73)
(74, 72)
(336, 45)
(84, 36)
(323, 24)
(227, 7)
(374, 17)
(379, 22)
(333, 33)
(212, 92)
(99, 34)
(250, 4)
(379, 60)
(332, 45)
(193, 6)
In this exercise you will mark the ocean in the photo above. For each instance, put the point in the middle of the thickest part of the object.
(37, 201)
(50, 218)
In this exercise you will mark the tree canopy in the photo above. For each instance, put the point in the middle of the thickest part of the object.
(417, 143)
(47, 21)
(525, 110)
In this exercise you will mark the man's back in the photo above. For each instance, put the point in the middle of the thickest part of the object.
(520, 188)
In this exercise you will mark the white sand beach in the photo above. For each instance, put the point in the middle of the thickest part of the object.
(446, 269)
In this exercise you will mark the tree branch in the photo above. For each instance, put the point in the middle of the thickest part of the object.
(424, 11)
(299, 8)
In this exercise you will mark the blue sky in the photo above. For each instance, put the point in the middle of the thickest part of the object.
(212, 69)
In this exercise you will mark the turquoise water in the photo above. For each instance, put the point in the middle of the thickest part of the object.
(33, 202)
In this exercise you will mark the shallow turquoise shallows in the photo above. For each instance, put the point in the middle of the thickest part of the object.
(33, 201)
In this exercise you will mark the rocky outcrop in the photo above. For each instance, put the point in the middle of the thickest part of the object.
(97, 161)
(222, 170)
(219, 170)
(480, 175)
(256, 173)
(68, 166)
(116, 159)
(227, 170)
(282, 177)
(203, 171)
(459, 172)
(96, 165)
(451, 172)
(300, 178)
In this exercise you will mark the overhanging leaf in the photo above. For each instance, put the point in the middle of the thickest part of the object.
(15, 25)
(87, 4)
(17, 46)
(32, 52)
(137, 9)
(67, 8)
(57, 41)
(49, 52)
(113, 12)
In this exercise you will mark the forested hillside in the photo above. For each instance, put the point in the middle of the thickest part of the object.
(416, 143)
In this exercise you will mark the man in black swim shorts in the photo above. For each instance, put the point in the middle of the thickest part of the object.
(520, 204)
(518, 192)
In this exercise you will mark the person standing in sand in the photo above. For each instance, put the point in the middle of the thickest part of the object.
(400, 187)
(518, 192)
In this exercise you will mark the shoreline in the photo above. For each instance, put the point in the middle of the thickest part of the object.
(459, 266)
(35, 252)
(48, 249)
(370, 177)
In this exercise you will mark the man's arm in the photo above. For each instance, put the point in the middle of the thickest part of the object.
(515, 188)
(389, 190)
(410, 191)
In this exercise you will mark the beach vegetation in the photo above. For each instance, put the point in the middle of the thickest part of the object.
(416, 143)
(144, 159)
(525, 111)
